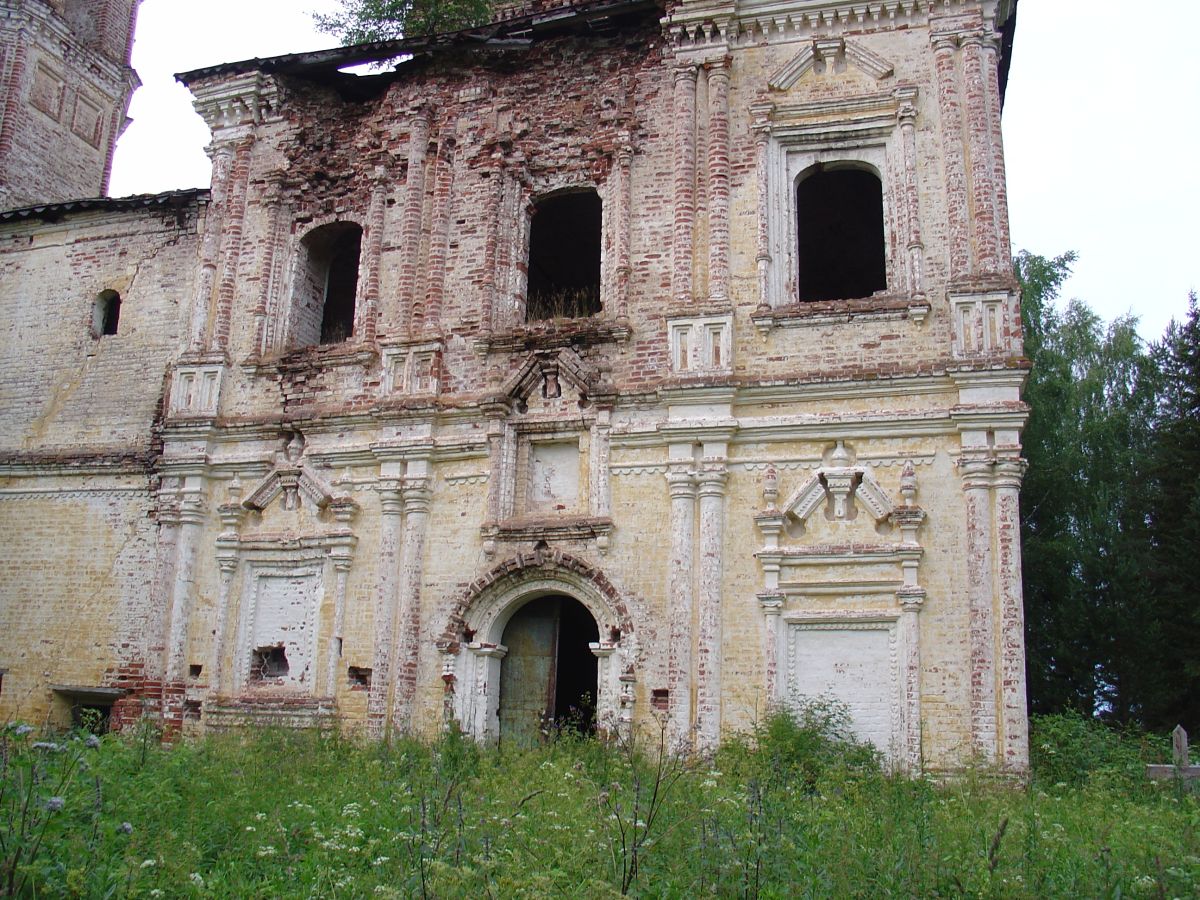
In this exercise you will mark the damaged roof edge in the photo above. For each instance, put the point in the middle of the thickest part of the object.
(561, 18)
(52, 212)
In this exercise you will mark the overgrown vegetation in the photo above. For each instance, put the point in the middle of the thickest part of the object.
(362, 21)
(794, 811)
(1110, 510)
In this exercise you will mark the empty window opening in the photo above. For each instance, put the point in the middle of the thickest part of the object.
(93, 717)
(106, 313)
(548, 677)
(326, 285)
(191, 710)
(194, 670)
(359, 677)
(564, 257)
(268, 662)
(660, 699)
(839, 228)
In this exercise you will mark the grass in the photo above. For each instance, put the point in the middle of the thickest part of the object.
(796, 812)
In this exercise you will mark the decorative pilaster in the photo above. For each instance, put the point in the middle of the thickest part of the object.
(911, 599)
(996, 142)
(979, 133)
(412, 309)
(685, 182)
(681, 485)
(210, 244)
(718, 181)
(906, 98)
(712, 478)
(772, 606)
(231, 245)
(367, 324)
(491, 246)
(232, 514)
(391, 503)
(191, 520)
(273, 201)
(1014, 734)
(952, 154)
(341, 572)
(762, 256)
(976, 479)
(417, 493)
(599, 461)
(624, 194)
(443, 202)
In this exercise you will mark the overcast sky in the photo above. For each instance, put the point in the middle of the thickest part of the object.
(1093, 110)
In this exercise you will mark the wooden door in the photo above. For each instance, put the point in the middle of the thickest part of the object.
(528, 672)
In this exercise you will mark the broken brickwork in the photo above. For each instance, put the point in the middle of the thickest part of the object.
(364, 452)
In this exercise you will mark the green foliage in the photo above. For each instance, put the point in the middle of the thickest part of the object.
(362, 21)
(1173, 515)
(1092, 394)
(269, 814)
(803, 744)
(1069, 749)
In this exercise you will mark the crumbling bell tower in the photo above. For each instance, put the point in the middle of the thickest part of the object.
(66, 83)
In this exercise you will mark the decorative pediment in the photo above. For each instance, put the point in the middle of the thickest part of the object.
(829, 55)
(291, 479)
(548, 373)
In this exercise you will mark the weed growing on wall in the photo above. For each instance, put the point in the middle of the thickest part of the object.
(794, 809)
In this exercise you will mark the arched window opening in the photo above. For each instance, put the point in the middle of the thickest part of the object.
(548, 676)
(326, 285)
(564, 257)
(839, 228)
(106, 313)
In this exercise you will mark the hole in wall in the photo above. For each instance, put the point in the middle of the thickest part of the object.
(359, 678)
(268, 662)
(564, 257)
(194, 670)
(839, 232)
(106, 314)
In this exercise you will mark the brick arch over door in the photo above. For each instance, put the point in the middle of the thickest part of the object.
(474, 653)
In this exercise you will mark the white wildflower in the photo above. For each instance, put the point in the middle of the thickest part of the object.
(197, 879)
(149, 863)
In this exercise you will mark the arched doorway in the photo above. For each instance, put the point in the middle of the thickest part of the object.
(548, 676)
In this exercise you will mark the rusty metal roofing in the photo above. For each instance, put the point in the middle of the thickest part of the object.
(503, 35)
(52, 212)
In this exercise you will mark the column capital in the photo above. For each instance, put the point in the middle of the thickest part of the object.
(771, 603)
(391, 496)
(944, 43)
(1010, 472)
(911, 599)
(976, 473)
(686, 71)
(681, 483)
(712, 479)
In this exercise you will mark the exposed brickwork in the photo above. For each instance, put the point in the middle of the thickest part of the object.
(66, 82)
(742, 489)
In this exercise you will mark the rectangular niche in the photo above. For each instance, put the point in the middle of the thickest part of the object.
(854, 664)
(279, 645)
(701, 345)
(553, 477)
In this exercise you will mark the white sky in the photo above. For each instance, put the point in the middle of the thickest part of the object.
(1092, 111)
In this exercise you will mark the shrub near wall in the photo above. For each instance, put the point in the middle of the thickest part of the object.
(797, 814)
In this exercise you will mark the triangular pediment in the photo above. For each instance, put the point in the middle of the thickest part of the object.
(829, 57)
(551, 375)
(291, 479)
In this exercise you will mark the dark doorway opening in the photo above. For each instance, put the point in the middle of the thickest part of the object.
(548, 677)
(337, 319)
(839, 229)
(564, 257)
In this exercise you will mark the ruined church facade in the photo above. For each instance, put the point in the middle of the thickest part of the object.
(612, 365)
